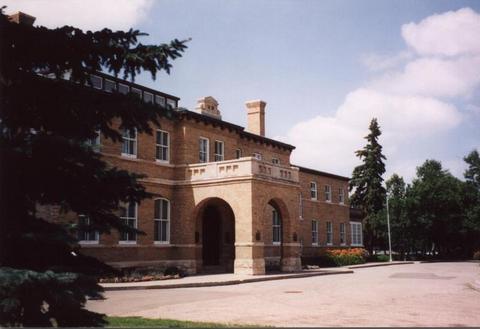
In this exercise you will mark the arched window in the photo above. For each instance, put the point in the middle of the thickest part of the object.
(162, 221)
(276, 227)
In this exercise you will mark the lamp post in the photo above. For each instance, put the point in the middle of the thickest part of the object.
(388, 228)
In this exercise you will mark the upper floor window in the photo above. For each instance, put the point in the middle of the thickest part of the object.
(342, 234)
(275, 161)
(162, 146)
(257, 156)
(171, 103)
(109, 85)
(96, 81)
(356, 231)
(203, 149)
(341, 196)
(328, 193)
(123, 88)
(162, 221)
(160, 100)
(238, 153)
(95, 141)
(129, 145)
(314, 232)
(219, 151)
(137, 92)
(85, 234)
(128, 213)
(329, 233)
(313, 190)
(148, 97)
(276, 227)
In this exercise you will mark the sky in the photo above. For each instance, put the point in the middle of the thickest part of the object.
(325, 69)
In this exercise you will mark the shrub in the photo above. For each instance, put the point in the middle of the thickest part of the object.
(344, 257)
(173, 270)
(476, 255)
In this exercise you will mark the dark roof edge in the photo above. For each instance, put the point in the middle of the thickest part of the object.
(321, 173)
(134, 85)
(239, 129)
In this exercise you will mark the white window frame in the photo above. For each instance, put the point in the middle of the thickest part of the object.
(258, 156)
(328, 193)
(341, 195)
(171, 103)
(123, 85)
(97, 235)
(150, 94)
(160, 220)
(313, 191)
(329, 233)
(135, 145)
(314, 232)
(276, 227)
(160, 100)
(356, 234)
(162, 146)
(343, 234)
(114, 85)
(275, 161)
(100, 79)
(201, 151)
(238, 153)
(137, 91)
(120, 241)
(219, 156)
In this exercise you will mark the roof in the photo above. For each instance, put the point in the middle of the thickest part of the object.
(184, 113)
(321, 173)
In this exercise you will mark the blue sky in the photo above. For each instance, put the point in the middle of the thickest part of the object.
(323, 67)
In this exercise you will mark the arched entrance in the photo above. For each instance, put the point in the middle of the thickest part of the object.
(216, 233)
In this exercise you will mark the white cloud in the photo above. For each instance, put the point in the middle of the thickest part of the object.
(84, 14)
(452, 33)
(412, 97)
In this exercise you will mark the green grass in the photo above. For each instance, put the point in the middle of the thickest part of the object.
(136, 321)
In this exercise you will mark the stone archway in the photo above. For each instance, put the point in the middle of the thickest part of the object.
(215, 235)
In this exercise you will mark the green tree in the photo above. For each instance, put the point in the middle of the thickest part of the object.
(46, 122)
(472, 200)
(366, 183)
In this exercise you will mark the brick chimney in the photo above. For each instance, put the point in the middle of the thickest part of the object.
(256, 117)
(208, 106)
(21, 18)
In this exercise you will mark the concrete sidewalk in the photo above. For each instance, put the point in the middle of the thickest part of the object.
(210, 280)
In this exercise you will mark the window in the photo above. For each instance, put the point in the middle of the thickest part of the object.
(128, 213)
(342, 234)
(341, 196)
(162, 221)
(96, 81)
(313, 190)
(123, 89)
(109, 85)
(329, 233)
(95, 141)
(160, 100)
(171, 104)
(161, 146)
(275, 161)
(137, 92)
(147, 97)
(203, 150)
(86, 235)
(238, 153)
(357, 237)
(257, 156)
(328, 193)
(218, 151)
(129, 146)
(314, 233)
(276, 227)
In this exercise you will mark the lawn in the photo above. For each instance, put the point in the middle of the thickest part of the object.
(136, 321)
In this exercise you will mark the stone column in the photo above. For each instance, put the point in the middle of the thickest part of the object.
(249, 258)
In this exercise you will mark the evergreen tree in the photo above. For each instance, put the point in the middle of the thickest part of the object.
(45, 126)
(366, 183)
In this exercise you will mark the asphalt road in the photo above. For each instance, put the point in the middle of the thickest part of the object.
(432, 294)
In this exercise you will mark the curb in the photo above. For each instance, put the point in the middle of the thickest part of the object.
(377, 265)
(225, 283)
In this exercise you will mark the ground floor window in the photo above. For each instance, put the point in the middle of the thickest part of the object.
(329, 233)
(85, 234)
(314, 232)
(342, 234)
(162, 221)
(128, 213)
(276, 227)
(357, 237)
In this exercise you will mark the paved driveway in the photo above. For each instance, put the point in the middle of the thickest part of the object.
(435, 294)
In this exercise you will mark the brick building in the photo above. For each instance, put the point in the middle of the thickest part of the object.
(225, 196)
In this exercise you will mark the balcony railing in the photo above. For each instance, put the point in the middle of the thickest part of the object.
(243, 167)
